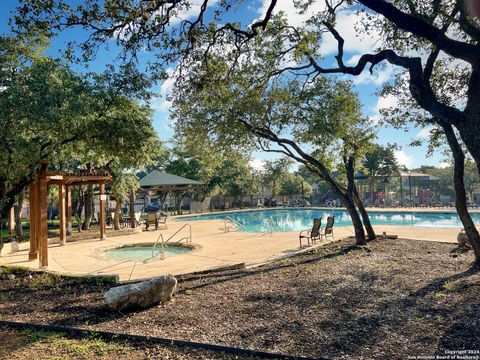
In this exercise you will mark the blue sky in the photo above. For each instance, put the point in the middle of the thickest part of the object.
(366, 85)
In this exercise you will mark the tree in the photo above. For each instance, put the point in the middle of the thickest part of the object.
(237, 179)
(325, 116)
(42, 108)
(294, 185)
(123, 143)
(379, 161)
(408, 28)
(273, 172)
(45, 109)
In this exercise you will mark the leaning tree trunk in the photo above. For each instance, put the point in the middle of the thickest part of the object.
(356, 221)
(460, 193)
(18, 215)
(366, 219)
(348, 201)
(88, 208)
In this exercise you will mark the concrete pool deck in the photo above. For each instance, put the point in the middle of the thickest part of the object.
(214, 248)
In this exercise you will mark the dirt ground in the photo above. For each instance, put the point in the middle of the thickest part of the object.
(389, 300)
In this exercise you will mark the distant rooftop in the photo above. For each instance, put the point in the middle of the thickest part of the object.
(159, 179)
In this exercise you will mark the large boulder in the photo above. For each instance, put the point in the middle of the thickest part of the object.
(141, 295)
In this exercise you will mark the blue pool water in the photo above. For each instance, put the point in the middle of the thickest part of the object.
(298, 219)
(142, 252)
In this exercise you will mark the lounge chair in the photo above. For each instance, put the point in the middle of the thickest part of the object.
(311, 234)
(151, 220)
(328, 230)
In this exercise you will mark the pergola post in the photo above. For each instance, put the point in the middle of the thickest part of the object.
(62, 214)
(132, 210)
(42, 228)
(68, 210)
(11, 223)
(33, 253)
(102, 216)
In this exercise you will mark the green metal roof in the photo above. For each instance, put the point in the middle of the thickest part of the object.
(157, 178)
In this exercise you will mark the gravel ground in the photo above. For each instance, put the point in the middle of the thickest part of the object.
(389, 300)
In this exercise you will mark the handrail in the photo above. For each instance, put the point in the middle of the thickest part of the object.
(189, 239)
(164, 243)
(162, 251)
(235, 222)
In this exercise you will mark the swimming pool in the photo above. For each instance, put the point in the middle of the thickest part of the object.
(142, 252)
(298, 219)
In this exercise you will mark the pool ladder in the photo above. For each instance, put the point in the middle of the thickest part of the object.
(236, 225)
(164, 243)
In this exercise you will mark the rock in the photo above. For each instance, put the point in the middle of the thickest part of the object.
(462, 238)
(141, 295)
(11, 276)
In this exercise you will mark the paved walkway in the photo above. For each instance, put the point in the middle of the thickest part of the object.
(213, 248)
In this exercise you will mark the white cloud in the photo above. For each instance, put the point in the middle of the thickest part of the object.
(346, 20)
(161, 103)
(257, 164)
(403, 158)
(380, 75)
(444, 165)
(355, 42)
(383, 103)
(424, 133)
(192, 11)
(292, 13)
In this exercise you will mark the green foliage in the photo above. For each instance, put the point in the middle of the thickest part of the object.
(273, 172)
(43, 107)
(380, 161)
(47, 112)
(294, 186)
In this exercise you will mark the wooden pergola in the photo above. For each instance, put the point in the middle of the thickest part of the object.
(38, 207)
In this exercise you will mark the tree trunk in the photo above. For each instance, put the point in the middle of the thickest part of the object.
(460, 193)
(118, 212)
(350, 195)
(1, 234)
(18, 215)
(88, 208)
(78, 206)
(365, 217)
(179, 203)
(356, 221)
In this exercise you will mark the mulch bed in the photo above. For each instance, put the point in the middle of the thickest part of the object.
(391, 299)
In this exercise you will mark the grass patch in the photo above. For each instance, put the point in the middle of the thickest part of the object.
(59, 343)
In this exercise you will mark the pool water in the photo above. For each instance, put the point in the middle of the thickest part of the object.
(298, 219)
(143, 252)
